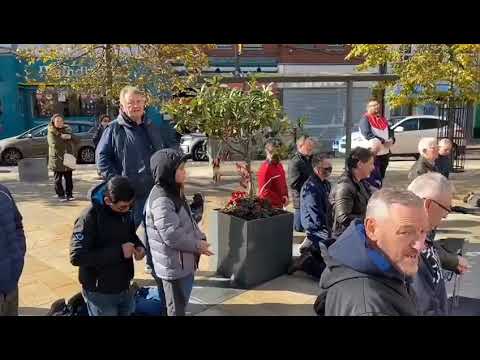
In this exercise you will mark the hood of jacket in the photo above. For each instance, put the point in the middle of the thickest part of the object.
(351, 257)
(164, 164)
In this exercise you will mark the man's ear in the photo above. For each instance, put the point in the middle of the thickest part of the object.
(108, 201)
(370, 228)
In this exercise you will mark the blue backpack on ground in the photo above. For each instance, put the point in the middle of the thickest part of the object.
(149, 302)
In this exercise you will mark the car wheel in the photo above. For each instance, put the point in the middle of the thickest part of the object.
(199, 152)
(11, 157)
(86, 155)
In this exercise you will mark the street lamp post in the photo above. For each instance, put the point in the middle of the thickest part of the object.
(238, 52)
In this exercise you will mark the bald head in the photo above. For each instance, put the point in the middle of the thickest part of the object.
(428, 148)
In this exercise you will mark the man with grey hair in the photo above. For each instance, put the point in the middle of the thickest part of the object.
(299, 170)
(428, 153)
(371, 265)
(126, 146)
(443, 162)
(429, 284)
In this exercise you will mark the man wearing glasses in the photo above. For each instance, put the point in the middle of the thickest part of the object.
(103, 245)
(429, 284)
(316, 217)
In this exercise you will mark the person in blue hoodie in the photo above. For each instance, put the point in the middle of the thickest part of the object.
(103, 245)
(12, 252)
(370, 266)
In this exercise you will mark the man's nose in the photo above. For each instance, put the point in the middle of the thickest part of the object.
(419, 244)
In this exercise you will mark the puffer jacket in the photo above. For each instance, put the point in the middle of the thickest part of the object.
(173, 237)
(350, 199)
(361, 281)
(57, 147)
(12, 242)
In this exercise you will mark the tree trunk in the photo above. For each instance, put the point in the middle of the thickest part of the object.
(109, 79)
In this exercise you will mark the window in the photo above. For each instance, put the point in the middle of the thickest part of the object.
(42, 132)
(335, 46)
(253, 47)
(410, 124)
(305, 46)
(75, 128)
(426, 124)
(85, 128)
(224, 46)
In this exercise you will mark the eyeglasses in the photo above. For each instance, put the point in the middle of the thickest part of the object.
(329, 169)
(448, 210)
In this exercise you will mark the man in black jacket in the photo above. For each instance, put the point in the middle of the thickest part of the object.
(103, 244)
(299, 170)
(429, 284)
(103, 120)
(370, 267)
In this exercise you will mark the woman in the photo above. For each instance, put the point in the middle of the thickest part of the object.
(351, 194)
(104, 120)
(174, 241)
(61, 141)
(272, 184)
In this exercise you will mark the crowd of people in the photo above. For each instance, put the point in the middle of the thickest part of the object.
(371, 248)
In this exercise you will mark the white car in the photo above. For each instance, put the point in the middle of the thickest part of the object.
(408, 133)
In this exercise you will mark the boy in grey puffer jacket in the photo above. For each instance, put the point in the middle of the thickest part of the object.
(174, 240)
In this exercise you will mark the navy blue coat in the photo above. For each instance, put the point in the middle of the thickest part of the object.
(12, 242)
(125, 149)
(315, 209)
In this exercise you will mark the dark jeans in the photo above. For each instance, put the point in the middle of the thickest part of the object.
(9, 303)
(177, 294)
(99, 304)
(297, 221)
(382, 161)
(68, 183)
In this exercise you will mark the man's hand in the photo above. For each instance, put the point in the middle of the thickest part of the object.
(285, 200)
(128, 250)
(66, 136)
(139, 253)
(203, 249)
(463, 265)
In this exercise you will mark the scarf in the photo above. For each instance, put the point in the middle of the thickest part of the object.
(377, 122)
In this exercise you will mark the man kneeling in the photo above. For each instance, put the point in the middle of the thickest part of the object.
(370, 266)
(103, 244)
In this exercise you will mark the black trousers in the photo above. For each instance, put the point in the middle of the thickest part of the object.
(57, 175)
(382, 161)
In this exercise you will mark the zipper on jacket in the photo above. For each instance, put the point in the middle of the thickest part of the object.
(181, 259)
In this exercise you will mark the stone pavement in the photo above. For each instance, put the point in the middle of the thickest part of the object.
(48, 274)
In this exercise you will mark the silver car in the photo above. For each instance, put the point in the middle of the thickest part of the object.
(195, 144)
(33, 143)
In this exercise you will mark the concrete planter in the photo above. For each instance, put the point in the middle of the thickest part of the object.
(252, 252)
(33, 170)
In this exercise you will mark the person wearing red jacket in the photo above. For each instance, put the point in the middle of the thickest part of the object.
(272, 183)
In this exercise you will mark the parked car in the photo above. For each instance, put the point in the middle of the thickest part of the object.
(33, 143)
(408, 133)
(195, 144)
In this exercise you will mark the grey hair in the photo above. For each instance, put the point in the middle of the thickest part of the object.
(425, 143)
(444, 142)
(379, 204)
(302, 139)
(431, 185)
(130, 90)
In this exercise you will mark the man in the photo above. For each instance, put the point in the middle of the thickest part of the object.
(316, 216)
(429, 284)
(369, 268)
(375, 126)
(102, 246)
(443, 163)
(351, 193)
(126, 146)
(299, 170)
(272, 185)
(428, 153)
(375, 181)
(12, 253)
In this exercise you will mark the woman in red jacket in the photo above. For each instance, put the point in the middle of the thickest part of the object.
(272, 184)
